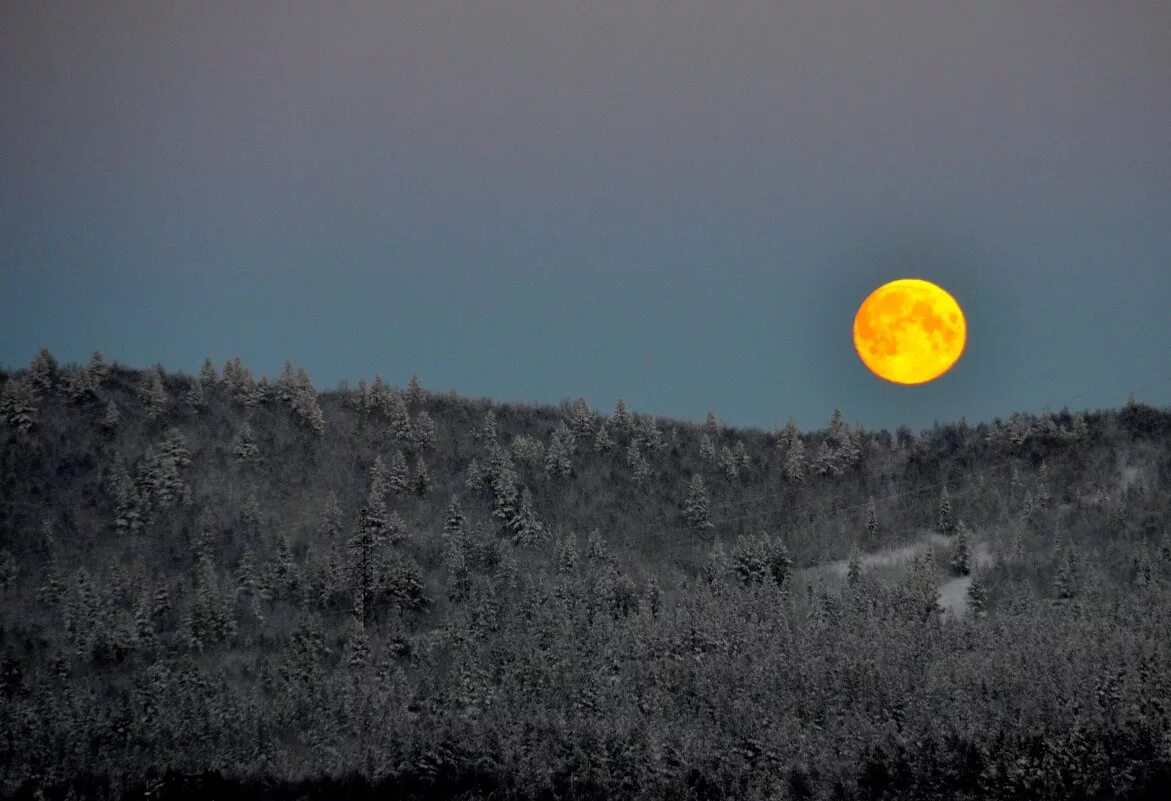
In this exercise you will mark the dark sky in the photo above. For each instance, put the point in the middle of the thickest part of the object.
(678, 203)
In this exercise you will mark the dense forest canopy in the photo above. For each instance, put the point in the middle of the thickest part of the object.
(449, 597)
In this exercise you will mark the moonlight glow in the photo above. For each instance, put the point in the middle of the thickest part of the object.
(909, 331)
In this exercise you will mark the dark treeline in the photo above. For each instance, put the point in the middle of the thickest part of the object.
(218, 585)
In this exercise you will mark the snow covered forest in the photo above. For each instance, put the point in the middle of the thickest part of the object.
(220, 583)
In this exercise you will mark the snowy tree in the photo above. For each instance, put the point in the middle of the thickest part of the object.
(794, 467)
(357, 644)
(18, 404)
(566, 555)
(944, 520)
(486, 434)
(728, 465)
(1080, 431)
(208, 377)
(331, 524)
(474, 476)
(379, 477)
(854, 566)
(1041, 490)
(415, 394)
(750, 559)
(240, 383)
(621, 422)
(603, 441)
(871, 522)
(421, 481)
(707, 451)
(717, 567)
(581, 420)
(99, 371)
(741, 459)
(961, 553)
(398, 478)
(711, 426)
(558, 461)
(977, 594)
(528, 450)
(195, 397)
(425, 434)
(695, 507)
(780, 565)
(823, 460)
(151, 394)
(246, 449)
(112, 417)
(527, 529)
(210, 620)
(640, 467)
(42, 371)
(455, 523)
(129, 512)
(77, 384)
(786, 436)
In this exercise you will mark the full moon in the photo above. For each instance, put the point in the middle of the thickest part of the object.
(909, 331)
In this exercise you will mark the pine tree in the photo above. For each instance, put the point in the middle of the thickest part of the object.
(357, 644)
(943, 518)
(711, 426)
(854, 566)
(639, 466)
(794, 468)
(415, 393)
(474, 477)
(18, 404)
(112, 418)
(566, 555)
(558, 462)
(750, 559)
(620, 421)
(786, 436)
(741, 459)
(961, 555)
(581, 420)
(823, 460)
(129, 513)
(196, 398)
(99, 371)
(210, 620)
(977, 594)
(1041, 495)
(398, 479)
(395, 409)
(77, 384)
(871, 522)
(707, 451)
(695, 507)
(527, 529)
(246, 449)
(1081, 430)
(364, 560)
(727, 464)
(718, 566)
(603, 441)
(779, 563)
(486, 434)
(421, 483)
(240, 383)
(208, 378)
(425, 434)
(331, 525)
(151, 394)
(42, 371)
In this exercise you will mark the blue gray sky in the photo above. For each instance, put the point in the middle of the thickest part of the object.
(677, 203)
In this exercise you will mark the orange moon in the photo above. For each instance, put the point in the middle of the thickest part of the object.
(910, 331)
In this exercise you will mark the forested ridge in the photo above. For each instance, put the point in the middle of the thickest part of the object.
(218, 583)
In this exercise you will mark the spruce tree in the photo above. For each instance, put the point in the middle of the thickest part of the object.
(728, 464)
(208, 377)
(621, 421)
(18, 404)
(707, 451)
(566, 555)
(357, 644)
(112, 418)
(944, 520)
(779, 563)
(151, 393)
(558, 461)
(246, 449)
(639, 466)
(99, 371)
(195, 397)
(425, 433)
(581, 420)
(741, 459)
(42, 371)
(977, 594)
(415, 394)
(398, 478)
(786, 436)
(527, 529)
(603, 441)
(695, 506)
(711, 426)
(421, 483)
(854, 566)
(871, 522)
(794, 468)
(77, 384)
(331, 524)
(961, 554)
(823, 460)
